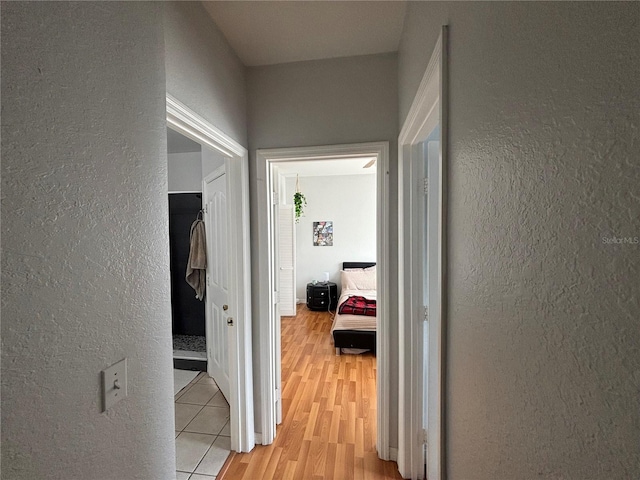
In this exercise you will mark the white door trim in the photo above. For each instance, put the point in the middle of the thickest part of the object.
(429, 108)
(267, 349)
(184, 120)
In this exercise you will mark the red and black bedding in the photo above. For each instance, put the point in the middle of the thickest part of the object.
(357, 305)
(354, 325)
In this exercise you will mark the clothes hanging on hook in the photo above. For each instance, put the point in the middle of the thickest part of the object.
(196, 274)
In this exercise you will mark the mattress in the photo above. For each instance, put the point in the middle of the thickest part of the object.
(354, 322)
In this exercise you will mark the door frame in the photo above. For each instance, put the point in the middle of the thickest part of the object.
(185, 121)
(268, 327)
(429, 108)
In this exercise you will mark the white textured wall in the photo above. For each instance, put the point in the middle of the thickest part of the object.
(543, 341)
(350, 202)
(203, 71)
(324, 102)
(85, 267)
(185, 171)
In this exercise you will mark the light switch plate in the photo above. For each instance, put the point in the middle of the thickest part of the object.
(114, 384)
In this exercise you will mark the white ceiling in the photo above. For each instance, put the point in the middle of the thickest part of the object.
(324, 168)
(271, 32)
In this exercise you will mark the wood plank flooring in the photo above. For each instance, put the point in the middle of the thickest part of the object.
(329, 412)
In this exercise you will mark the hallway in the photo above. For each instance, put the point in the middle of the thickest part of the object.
(329, 412)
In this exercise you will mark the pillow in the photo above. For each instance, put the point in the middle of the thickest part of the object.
(358, 280)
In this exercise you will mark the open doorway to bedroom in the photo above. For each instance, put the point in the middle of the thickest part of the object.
(330, 404)
(333, 226)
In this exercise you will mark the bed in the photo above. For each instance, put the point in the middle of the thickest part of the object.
(357, 333)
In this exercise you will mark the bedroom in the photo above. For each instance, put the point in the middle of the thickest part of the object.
(341, 193)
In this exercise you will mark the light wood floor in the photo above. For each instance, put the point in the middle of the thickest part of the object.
(329, 412)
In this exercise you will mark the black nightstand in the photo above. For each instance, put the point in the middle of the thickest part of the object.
(322, 296)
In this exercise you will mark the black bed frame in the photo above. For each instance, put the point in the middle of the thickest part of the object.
(355, 338)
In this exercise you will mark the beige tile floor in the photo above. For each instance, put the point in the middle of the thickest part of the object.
(202, 430)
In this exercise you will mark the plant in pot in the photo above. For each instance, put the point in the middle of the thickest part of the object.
(299, 201)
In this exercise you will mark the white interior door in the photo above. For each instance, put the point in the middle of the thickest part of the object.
(217, 295)
(287, 258)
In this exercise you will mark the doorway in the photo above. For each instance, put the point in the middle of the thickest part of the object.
(270, 349)
(230, 270)
(422, 164)
(334, 222)
(184, 174)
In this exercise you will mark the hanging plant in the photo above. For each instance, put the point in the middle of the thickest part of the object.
(299, 201)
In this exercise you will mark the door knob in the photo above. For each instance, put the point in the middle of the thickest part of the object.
(230, 321)
(225, 307)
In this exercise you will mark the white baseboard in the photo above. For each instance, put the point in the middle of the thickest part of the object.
(258, 439)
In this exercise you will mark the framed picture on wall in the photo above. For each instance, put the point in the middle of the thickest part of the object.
(323, 234)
